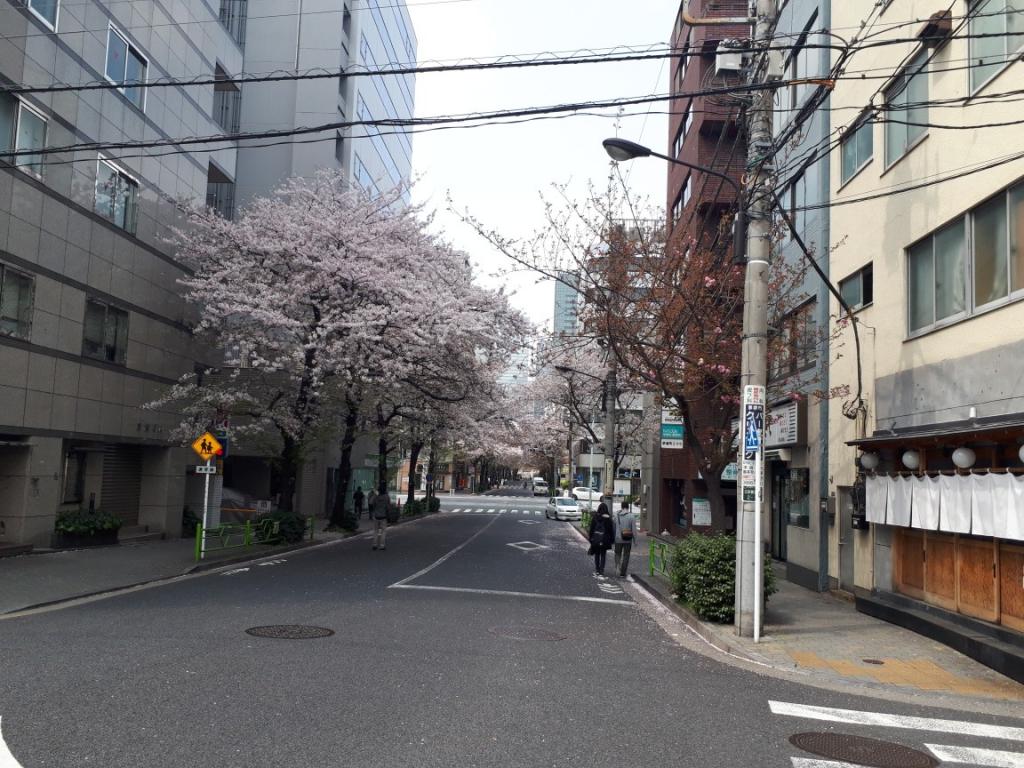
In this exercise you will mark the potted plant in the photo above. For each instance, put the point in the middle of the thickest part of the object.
(85, 528)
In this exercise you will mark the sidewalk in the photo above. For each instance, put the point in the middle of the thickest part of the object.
(824, 638)
(54, 576)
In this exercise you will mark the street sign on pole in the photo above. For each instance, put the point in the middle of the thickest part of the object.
(207, 446)
(206, 469)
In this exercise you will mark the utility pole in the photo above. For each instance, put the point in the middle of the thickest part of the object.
(610, 394)
(754, 374)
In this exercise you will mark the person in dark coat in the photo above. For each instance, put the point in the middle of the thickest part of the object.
(602, 535)
(357, 500)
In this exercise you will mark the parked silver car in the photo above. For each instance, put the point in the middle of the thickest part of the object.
(563, 508)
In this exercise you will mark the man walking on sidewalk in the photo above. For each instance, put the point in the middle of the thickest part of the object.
(625, 533)
(357, 500)
(381, 507)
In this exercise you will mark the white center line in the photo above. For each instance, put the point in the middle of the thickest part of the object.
(971, 756)
(441, 559)
(854, 717)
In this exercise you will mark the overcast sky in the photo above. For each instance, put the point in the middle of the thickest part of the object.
(499, 172)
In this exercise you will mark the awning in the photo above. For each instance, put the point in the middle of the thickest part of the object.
(992, 428)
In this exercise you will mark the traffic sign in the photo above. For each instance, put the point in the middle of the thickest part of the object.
(206, 469)
(207, 446)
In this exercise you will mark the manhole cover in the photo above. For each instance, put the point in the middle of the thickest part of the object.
(860, 750)
(527, 633)
(290, 632)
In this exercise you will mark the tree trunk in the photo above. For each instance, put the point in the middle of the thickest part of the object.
(431, 469)
(382, 464)
(289, 463)
(414, 456)
(348, 440)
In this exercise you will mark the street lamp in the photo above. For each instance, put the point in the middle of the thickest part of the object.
(623, 150)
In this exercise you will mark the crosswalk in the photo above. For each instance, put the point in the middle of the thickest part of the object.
(492, 511)
(938, 733)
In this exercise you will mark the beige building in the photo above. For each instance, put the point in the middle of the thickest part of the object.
(927, 229)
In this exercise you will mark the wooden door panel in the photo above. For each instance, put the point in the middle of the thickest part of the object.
(977, 594)
(909, 547)
(1011, 586)
(940, 570)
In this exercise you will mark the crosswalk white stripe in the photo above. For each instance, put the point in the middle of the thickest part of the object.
(537, 513)
(810, 762)
(456, 510)
(971, 756)
(489, 511)
(854, 717)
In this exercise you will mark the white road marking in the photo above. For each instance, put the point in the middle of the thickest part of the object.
(527, 546)
(236, 570)
(855, 717)
(441, 559)
(537, 513)
(971, 756)
(571, 598)
(808, 762)
(489, 511)
(502, 511)
(6, 758)
(454, 511)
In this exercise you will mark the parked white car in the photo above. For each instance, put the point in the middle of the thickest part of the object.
(588, 498)
(563, 508)
(540, 487)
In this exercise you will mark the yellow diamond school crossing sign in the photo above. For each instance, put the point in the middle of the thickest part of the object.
(207, 446)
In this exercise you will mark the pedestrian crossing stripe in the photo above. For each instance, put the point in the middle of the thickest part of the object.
(973, 756)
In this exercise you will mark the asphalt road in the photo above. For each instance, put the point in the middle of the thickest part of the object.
(476, 639)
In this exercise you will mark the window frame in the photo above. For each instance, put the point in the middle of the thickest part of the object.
(25, 334)
(19, 106)
(120, 359)
(80, 458)
(56, 14)
(973, 90)
(918, 66)
(122, 174)
(864, 122)
(121, 85)
(859, 275)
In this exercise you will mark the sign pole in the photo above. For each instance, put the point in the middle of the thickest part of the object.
(206, 510)
(758, 546)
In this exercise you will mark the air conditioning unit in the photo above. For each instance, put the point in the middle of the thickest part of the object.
(729, 58)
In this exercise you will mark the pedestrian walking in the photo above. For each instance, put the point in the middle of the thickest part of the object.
(380, 510)
(357, 500)
(625, 534)
(601, 535)
(370, 496)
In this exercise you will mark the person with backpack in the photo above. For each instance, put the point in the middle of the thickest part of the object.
(625, 533)
(380, 512)
(357, 501)
(601, 535)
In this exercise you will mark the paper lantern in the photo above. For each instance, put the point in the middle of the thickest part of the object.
(964, 458)
(911, 459)
(869, 461)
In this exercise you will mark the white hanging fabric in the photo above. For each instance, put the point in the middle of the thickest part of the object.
(1015, 511)
(955, 504)
(876, 494)
(926, 498)
(900, 500)
(983, 505)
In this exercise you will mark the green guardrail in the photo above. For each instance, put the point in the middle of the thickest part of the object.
(585, 520)
(657, 558)
(242, 535)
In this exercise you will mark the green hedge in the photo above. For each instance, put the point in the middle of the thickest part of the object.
(292, 528)
(435, 504)
(82, 522)
(703, 575)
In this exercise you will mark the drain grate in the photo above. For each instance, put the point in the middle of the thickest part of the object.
(861, 750)
(876, 662)
(290, 632)
(527, 633)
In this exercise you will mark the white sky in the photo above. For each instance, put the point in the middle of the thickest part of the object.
(499, 172)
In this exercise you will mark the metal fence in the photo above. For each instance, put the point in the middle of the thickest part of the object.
(242, 535)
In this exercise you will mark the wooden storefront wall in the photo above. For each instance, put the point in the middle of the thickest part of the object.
(978, 577)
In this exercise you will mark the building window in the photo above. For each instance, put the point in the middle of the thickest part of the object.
(681, 200)
(22, 129)
(677, 143)
(127, 68)
(987, 244)
(46, 10)
(796, 347)
(106, 332)
(15, 303)
(797, 202)
(688, 120)
(74, 476)
(996, 32)
(858, 290)
(857, 147)
(232, 15)
(227, 101)
(339, 147)
(935, 277)
(117, 195)
(220, 192)
(906, 105)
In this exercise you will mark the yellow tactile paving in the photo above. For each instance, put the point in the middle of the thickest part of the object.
(922, 674)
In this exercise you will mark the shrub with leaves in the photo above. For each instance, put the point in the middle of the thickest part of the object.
(703, 575)
(292, 526)
(434, 504)
(189, 522)
(82, 522)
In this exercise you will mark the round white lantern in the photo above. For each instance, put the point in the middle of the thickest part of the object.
(1021, 453)
(964, 458)
(869, 461)
(911, 459)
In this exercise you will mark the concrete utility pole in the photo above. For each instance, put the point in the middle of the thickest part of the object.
(610, 393)
(755, 309)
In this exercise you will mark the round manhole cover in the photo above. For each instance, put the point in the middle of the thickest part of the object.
(860, 750)
(290, 632)
(527, 633)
